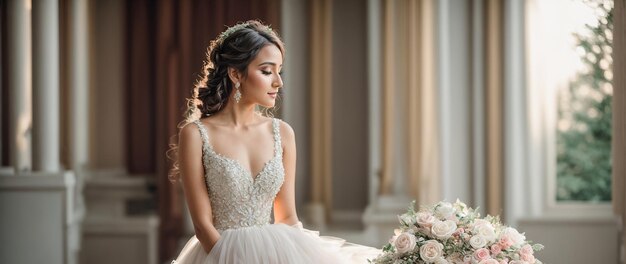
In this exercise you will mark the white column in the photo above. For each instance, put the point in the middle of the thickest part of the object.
(19, 74)
(454, 107)
(294, 31)
(516, 200)
(78, 111)
(374, 90)
(46, 85)
(79, 84)
(478, 105)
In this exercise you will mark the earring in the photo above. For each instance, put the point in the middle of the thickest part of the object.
(237, 93)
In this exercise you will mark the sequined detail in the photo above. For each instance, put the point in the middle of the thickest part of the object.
(238, 198)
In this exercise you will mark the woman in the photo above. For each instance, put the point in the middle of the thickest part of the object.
(236, 164)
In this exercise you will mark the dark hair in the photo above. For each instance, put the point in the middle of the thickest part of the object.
(234, 48)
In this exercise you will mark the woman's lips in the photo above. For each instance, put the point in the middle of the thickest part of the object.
(273, 95)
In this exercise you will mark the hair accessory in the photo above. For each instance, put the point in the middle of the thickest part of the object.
(238, 27)
(232, 29)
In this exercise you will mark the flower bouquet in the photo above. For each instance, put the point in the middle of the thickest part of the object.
(455, 233)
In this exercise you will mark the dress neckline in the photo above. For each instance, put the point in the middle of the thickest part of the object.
(236, 162)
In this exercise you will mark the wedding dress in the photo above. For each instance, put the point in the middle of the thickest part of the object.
(241, 204)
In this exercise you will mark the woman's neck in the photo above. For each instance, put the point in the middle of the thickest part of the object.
(239, 114)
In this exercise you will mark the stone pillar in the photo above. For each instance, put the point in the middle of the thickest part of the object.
(46, 85)
(515, 192)
(19, 74)
(294, 31)
(79, 84)
(78, 121)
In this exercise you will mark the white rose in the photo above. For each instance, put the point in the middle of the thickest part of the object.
(444, 210)
(486, 230)
(479, 222)
(406, 219)
(431, 251)
(518, 239)
(425, 219)
(443, 229)
(489, 261)
(405, 242)
(478, 241)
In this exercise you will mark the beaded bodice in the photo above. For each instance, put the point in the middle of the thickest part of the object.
(238, 198)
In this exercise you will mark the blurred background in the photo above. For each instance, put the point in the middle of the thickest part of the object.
(515, 107)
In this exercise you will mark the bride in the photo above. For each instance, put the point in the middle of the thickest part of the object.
(236, 164)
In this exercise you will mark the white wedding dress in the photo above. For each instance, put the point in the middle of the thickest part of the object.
(241, 206)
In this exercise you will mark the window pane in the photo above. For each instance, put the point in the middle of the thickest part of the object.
(584, 112)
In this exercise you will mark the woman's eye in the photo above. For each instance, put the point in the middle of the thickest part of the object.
(266, 72)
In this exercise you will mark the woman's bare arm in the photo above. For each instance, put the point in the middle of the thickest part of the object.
(285, 202)
(194, 186)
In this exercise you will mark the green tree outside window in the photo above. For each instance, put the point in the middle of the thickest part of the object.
(584, 116)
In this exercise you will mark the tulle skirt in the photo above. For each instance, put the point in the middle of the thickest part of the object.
(275, 243)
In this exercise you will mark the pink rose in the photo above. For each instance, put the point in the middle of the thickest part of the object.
(496, 249)
(505, 241)
(517, 238)
(481, 254)
(489, 261)
(431, 251)
(528, 258)
(405, 242)
(526, 249)
(425, 219)
(504, 261)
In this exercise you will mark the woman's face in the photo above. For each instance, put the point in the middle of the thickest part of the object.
(263, 80)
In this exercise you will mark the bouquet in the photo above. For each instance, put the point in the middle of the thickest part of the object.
(455, 234)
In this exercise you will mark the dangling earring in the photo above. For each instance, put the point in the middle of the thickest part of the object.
(237, 93)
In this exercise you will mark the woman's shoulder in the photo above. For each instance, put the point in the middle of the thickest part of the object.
(190, 131)
(188, 127)
(286, 131)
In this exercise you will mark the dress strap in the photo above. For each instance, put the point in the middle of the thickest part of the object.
(206, 148)
(278, 149)
(203, 134)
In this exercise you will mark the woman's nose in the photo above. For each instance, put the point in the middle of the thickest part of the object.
(278, 82)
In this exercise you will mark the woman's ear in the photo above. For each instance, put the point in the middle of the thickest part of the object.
(234, 75)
